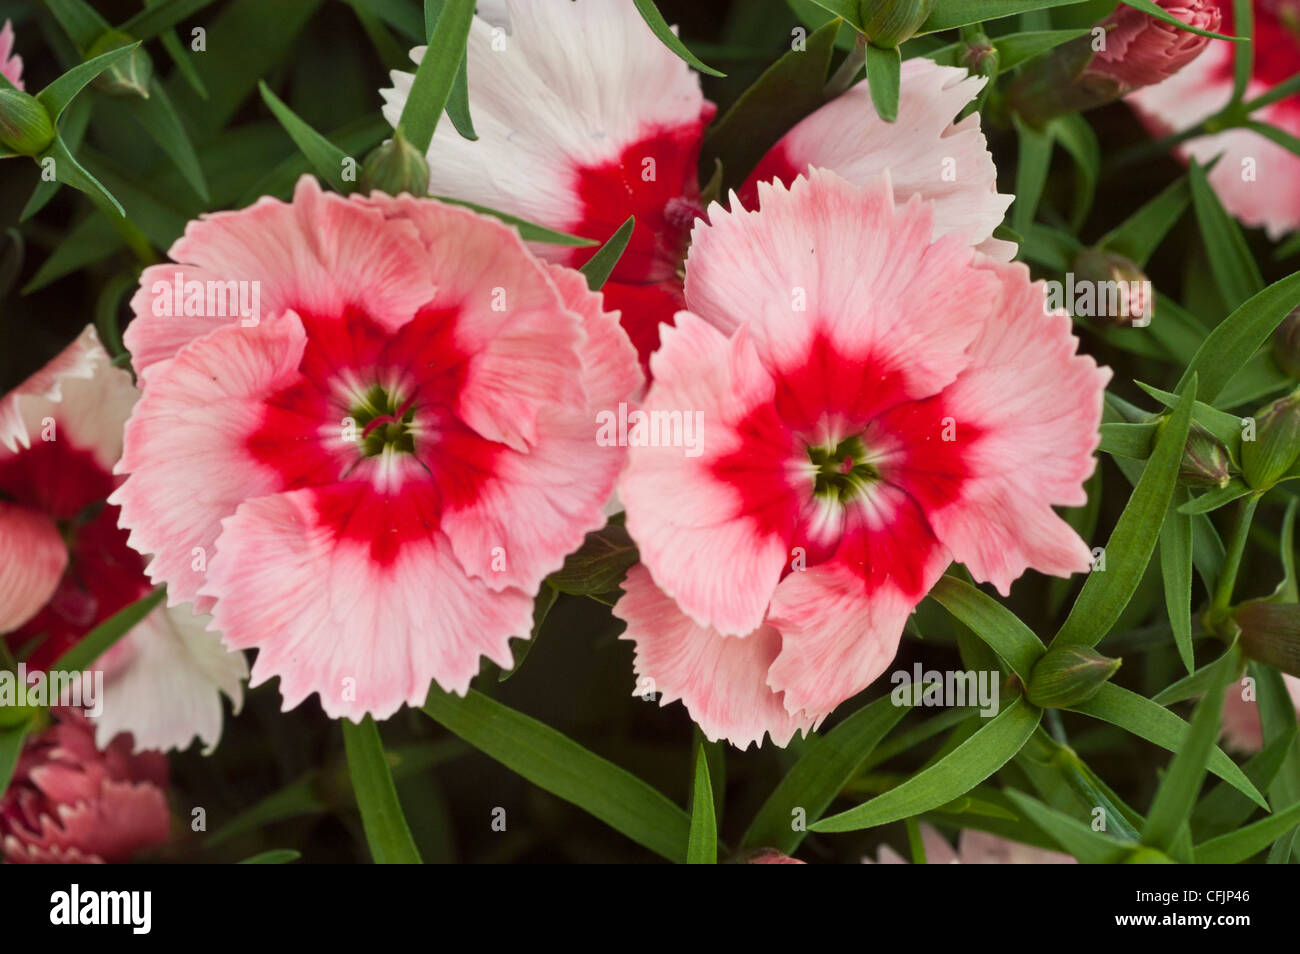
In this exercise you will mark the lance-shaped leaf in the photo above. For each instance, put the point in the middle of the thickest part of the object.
(57, 95)
(79, 20)
(1138, 236)
(158, 17)
(1155, 723)
(702, 844)
(1176, 574)
(72, 131)
(1235, 340)
(1224, 808)
(599, 266)
(884, 79)
(157, 116)
(1151, 8)
(827, 765)
(1034, 159)
(436, 74)
(1128, 440)
(326, 158)
(1241, 844)
(992, 622)
(1172, 808)
(1074, 836)
(1107, 592)
(11, 746)
(1076, 137)
(552, 761)
(387, 833)
(656, 22)
(528, 231)
(1235, 273)
(970, 763)
(955, 13)
(458, 100)
(276, 856)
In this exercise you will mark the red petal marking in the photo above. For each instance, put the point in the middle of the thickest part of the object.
(895, 553)
(643, 309)
(856, 395)
(616, 189)
(775, 166)
(104, 575)
(423, 354)
(55, 477)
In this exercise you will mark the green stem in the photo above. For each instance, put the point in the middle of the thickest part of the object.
(848, 70)
(1236, 548)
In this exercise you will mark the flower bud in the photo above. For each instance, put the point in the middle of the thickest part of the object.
(1068, 675)
(1276, 445)
(1140, 50)
(887, 23)
(126, 77)
(1205, 460)
(1120, 292)
(1270, 633)
(980, 56)
(25, 126)
(1286, 344)
(395, 167)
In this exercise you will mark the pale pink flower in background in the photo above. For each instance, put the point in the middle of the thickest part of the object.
(11, 65)
(380, 471)
(973, 848)
(1142, 50)
(925, 152)
(1240, 723)
(584, 117)
(65, 567)
(70, 802)
(876, 403)
(1257, 180)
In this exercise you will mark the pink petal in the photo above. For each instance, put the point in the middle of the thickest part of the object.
(1016, 451)
(840, 621)
(682, 512)
(925, 152)
(722, 680)
(326, 617)
(10, 65)
(33, 557)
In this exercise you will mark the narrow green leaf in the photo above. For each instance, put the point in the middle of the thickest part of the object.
(656, 22)
(559, 765)
(57, 95)
(71, 173)
(1075, 135)
(293, 801)
(387, 833)
(1016, 48)
(1176, 574)
(1243, 55)
(80, 21)
(991, 747)
(1181, 784)
(1231, 344)
(149, 22)
(992, 622)
(1224, 808)
(11, 746)
(1074, 836)
(71, 131)
(157, 116)
(326, 158)
(1031, 174)
(820, 774)
(1107, 592)
(600, 265)
(546, 597)
(1235, 273)
(1216, 497)
(955, 13)
(1241, 844)
(702, 843)
(436, 74)
(1138, 236)
(83, 654)
(276, 856)
(884, 78)
(1128, 440)
(1155, 723)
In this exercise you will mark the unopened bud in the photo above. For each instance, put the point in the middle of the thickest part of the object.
(129, 76)
(980, 56)
(25, 126)
(1276, 445)
(1121, 292)
(1205, 460)
(396, 167)
(887, 23)
(1068, 675)
(1286, 344)
(1270, 633)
